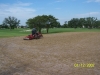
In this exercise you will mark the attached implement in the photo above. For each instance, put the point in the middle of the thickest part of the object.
(36, 36)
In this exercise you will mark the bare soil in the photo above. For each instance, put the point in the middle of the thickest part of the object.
(54, 54)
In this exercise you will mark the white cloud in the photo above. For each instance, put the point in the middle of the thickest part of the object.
(20, 10)
(88, 1)
(97, 0)
(22, 4)
(90, 14)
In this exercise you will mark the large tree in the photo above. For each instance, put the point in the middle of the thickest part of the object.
(90, 21)
(81, 23)
(97, 24)
(73, 23)
(37, 22)
(51, 22)
(44, 21)
(11, 22)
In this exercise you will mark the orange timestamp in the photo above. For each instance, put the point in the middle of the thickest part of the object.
(84, 65)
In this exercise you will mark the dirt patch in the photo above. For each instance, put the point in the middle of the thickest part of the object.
(54, 54)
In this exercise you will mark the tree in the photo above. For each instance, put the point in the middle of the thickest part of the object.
(40, 22)
(97, 24)
(11, 22)
(65, 25)
(81, 23)
(37, 22)
(51, 22)
(58, 24)
(0, 26)
(90, 22)
(30, 23)
(73, 23)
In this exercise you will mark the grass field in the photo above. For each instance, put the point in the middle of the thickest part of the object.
(13, 33)
(22, 32)
(59, 30)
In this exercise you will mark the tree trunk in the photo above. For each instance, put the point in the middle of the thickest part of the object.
(47, 29)
(39, 30)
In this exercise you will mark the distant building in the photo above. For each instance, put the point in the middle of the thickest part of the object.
(18, 26)
(83, 26)
(22, 27)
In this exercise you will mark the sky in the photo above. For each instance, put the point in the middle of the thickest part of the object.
(64, 10)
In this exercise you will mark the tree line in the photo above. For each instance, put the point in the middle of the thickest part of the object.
(49, 21)
(88, 22)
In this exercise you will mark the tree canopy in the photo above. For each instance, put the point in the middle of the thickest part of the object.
(44, 21)
(88, 22)
(11, 22)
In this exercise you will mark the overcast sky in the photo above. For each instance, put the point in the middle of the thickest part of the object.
(64, 10)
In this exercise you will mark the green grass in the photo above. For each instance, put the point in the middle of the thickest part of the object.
(13, 33)
(18, 32)
(59, 30)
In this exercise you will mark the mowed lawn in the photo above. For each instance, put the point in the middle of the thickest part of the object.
(59, 30)
(24, 32)
(13, 33)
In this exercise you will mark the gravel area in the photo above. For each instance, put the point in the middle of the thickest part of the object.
(54, 54)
